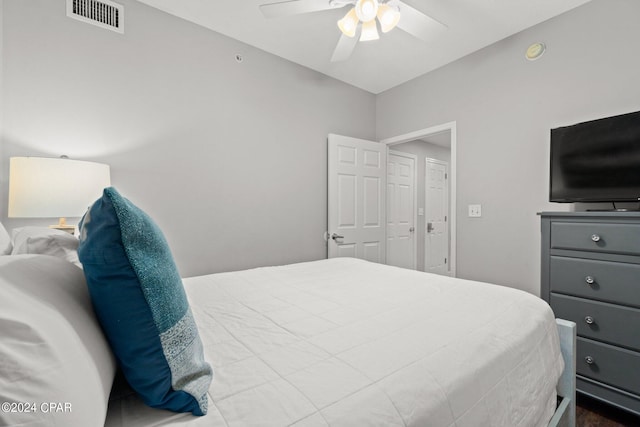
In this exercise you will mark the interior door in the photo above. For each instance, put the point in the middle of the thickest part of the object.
(357, 171)
(401, 210)
(437, 211)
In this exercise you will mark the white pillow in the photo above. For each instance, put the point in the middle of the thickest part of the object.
(45, 241)
(5, 241)
(52, 347)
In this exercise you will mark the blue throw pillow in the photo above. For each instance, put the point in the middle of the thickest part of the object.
(140, 302)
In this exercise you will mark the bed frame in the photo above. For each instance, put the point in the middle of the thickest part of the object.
(565, 415)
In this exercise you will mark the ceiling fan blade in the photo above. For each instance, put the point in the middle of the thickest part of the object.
(295, 7)
(344, 48)
(417, 23)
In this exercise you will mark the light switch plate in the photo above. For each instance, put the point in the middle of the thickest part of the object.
(475, 211)
(420, 211)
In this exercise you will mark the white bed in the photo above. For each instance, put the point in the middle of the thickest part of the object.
(339, 342)
(344, 342)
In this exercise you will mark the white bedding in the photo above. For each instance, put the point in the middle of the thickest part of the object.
(344, 342)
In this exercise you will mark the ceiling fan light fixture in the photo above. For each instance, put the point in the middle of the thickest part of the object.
(349, 23)
(369, 31)
(366, 10)
(388, 17)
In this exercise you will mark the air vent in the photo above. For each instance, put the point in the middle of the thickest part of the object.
(102, 13)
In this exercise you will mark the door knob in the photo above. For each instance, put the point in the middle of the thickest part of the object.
(412, 229)
(336, 236)
(429, 227)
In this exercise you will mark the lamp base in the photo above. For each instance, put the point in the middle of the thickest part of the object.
(63, 226)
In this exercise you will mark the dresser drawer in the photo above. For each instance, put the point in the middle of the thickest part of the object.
(600, 321)
(615, 282)
(610, 365)
(596, 237)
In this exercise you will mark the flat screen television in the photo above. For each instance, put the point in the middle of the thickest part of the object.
(596, 161)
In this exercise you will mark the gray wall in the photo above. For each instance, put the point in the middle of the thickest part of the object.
(229, 158)
(504, 107)
(422, 150)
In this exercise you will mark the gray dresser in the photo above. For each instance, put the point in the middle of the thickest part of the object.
(591, 275)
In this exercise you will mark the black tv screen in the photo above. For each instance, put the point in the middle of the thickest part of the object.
(596, 161)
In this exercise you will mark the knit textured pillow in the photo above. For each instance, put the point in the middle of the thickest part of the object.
(140, 302)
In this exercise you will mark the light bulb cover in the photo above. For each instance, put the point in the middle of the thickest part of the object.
(369, 31)
(366, 10)
(349, 23)
(388, 17)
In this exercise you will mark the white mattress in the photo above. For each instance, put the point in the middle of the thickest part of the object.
(344, 342)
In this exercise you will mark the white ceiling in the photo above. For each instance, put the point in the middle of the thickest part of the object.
(374, 66)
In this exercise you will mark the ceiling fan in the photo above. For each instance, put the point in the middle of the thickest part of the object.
(363, 16)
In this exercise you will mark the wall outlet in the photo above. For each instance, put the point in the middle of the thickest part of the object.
(475, 211)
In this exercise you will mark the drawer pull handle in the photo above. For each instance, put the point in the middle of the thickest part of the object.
(595, 237)
(589, 360)
(590, 280)
(589, 320)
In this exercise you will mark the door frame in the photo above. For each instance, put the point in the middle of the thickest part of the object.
(423, 133)
(415, 201)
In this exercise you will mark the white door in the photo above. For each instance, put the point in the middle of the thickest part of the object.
(436, 216)
(401, 210)
(356, 198)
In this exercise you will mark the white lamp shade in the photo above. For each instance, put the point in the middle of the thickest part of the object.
(388, 17)
(366, 10)
(48, 187)
(349, 23)
(369, 31)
